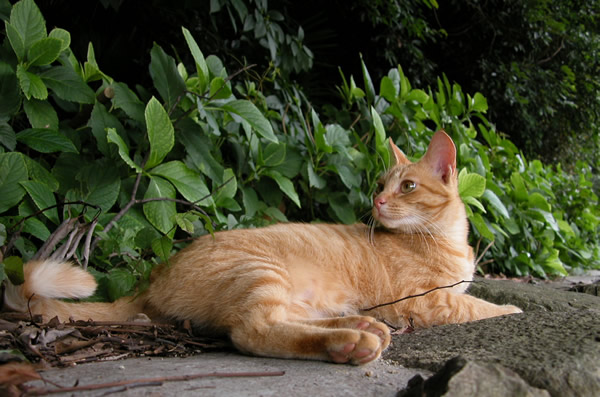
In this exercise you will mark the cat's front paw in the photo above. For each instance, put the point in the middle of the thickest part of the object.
(367, 348)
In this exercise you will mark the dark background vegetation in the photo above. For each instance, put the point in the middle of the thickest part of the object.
(536, 61)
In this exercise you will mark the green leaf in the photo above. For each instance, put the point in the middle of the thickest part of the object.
(44, 51)
(162, 248)
(314, 179)
(470, 200)
(100, 121)
(120, 283)
(62, 35)
(342, 208)
(166, 78)
(198, 146)
(41, 114)
(186, 221)
(251, 202)
(201, 66)
(13, 268)
(349, 177)
(538, 201)
(160, 132)
(113, 137)
(103, 184)
(219, 89)
(481, 226)
(520, 191)
(273, 154)
(43, 198)
(228, 186)
(16, 40)
(44, 140)
(7, 136)
(496, 203)
(417, 95)
(380, 141)
(28, 21)
(128, 101)
(12, 171)
(10, 91)
(38, 173)
(31, 84)
(470, 184)
(479, 103)
(250, 113)
(387, 89)
(161, 214)
(36, 228)
(285, 185)
(188, 183)
(68, 85)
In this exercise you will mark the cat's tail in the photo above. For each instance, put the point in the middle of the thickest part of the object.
(47, 281)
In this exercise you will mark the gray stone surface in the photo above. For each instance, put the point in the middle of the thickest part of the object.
(554, 350)
(533, 297)
(301, 378)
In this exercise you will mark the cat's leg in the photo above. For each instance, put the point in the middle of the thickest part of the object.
(289, 339)
(444, 307)
(363, 323)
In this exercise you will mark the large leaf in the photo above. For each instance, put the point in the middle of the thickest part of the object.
(128, 101)
(44, 51)
(46, 141)
(285, 185)
(10, 92)
(160, 132)
(250, 113)
(12, 171)
(167, 80)
(161, 214)
(43, 198)
(41, 114)
(28, 22)
(188, 183)
(68, 85)
(470, 184)
(198, 146)
(342, 208)
(496, 203)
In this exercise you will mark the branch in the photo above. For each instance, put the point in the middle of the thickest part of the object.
(416, 296)
(151, 381)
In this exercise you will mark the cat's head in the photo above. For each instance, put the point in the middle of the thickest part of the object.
(422, 197)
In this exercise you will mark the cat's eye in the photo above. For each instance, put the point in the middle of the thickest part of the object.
(408, 186)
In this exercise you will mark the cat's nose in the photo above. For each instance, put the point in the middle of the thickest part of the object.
(379, 202)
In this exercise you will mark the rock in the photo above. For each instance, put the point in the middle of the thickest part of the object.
(532, 297)
(463, 378)
(592, 289)
(555, 351)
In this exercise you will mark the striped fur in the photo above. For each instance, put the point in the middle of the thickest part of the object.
(299, 290)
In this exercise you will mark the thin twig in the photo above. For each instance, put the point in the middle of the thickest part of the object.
(162, 379)
(417, 295)
(483, 253)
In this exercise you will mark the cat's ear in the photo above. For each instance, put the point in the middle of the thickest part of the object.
(398, 155)
(441, 156)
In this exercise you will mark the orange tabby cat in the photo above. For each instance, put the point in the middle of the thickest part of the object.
(299, 290)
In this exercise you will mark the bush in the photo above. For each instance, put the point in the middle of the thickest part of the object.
(122, 178)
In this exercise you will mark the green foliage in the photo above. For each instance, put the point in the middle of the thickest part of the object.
(206, 149)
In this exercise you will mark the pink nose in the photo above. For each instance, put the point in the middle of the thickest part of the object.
(379, 202)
